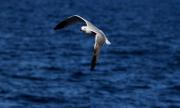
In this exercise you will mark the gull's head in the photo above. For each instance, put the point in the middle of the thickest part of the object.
(85, 29)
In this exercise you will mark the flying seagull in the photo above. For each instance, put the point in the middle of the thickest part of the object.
(88, 28)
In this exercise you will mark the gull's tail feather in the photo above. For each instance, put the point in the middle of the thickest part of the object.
(108, 42)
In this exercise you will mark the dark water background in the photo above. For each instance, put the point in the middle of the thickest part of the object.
(40, 68)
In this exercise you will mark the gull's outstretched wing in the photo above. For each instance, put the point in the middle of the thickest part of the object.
(69, 21)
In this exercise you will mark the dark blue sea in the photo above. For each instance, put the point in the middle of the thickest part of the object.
(43, 68)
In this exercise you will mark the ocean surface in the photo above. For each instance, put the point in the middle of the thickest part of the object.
(43, 68)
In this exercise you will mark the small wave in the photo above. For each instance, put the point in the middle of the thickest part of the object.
(38, 99)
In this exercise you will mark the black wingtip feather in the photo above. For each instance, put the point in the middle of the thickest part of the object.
(60, 25)
(93, 63)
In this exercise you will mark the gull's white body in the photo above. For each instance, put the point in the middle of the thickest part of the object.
(100, 37)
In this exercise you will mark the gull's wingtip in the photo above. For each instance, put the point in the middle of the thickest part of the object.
(55, 28)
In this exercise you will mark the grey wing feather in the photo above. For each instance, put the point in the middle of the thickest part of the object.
(69, 21)
(94, 58)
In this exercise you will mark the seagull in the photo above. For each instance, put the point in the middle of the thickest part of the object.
(88, 28)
